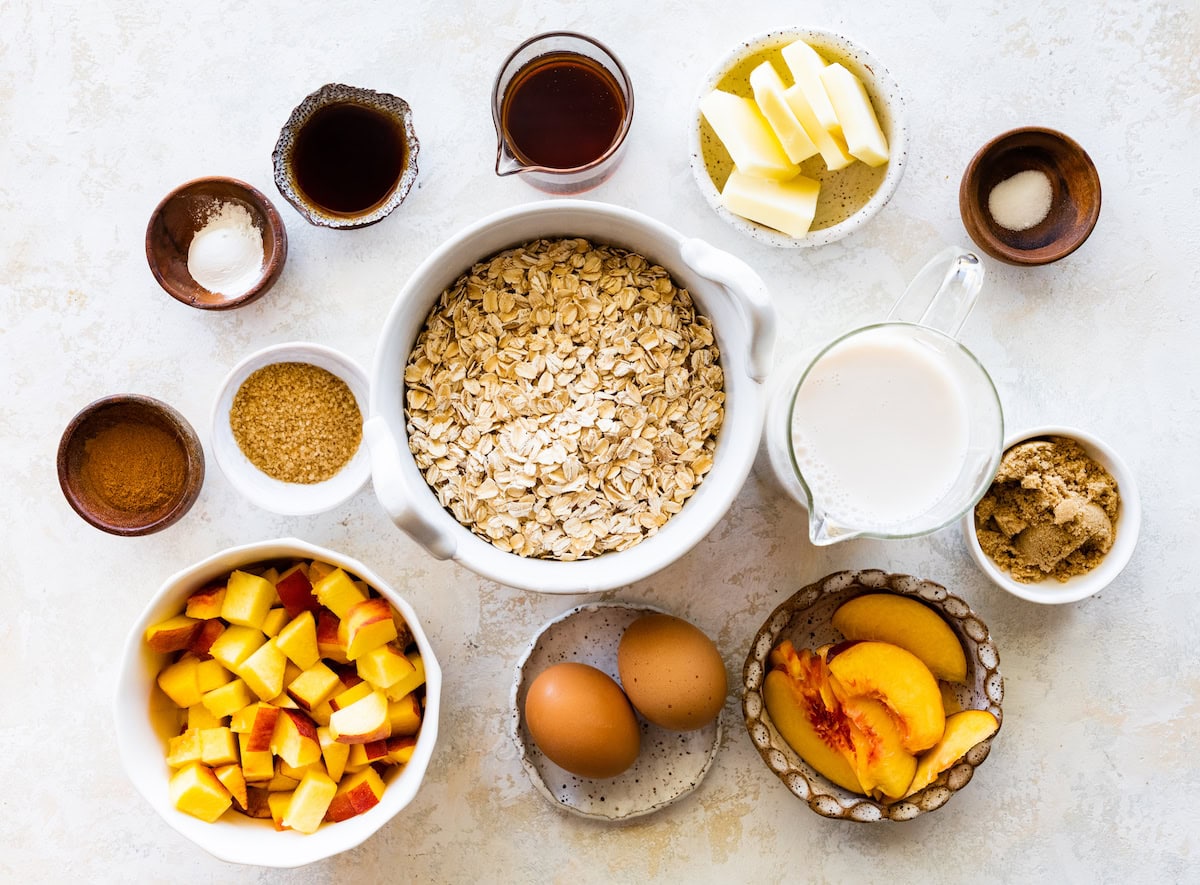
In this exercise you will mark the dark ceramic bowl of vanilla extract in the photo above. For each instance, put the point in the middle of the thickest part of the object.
(347, 156)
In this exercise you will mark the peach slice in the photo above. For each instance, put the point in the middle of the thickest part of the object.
(900, 680)
(800, 711)
(909, 624)
(963, 731)
(882, 764)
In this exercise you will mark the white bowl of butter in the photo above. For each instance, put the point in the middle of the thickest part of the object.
(826, 195)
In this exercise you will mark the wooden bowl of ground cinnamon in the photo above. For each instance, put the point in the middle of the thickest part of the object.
(130, 464)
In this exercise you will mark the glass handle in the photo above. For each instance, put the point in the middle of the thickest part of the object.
(942, 293)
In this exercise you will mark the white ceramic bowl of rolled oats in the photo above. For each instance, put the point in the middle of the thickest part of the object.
(568, 395)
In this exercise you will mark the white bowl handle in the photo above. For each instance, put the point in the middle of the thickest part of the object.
(747, 291)
(387, 474)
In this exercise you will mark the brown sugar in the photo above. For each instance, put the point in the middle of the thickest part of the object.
(1050, 512)
(296, 422)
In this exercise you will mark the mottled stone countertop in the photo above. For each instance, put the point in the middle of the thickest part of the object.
(104, 107)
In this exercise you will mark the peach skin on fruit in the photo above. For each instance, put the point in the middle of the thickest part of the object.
(900, 680)
(793, 711)
(905, 622)
(963, 731)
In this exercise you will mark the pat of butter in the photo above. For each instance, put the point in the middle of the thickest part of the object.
(787, 206)
(768, 94)
(806, 65)
(747, 135)
(860, 127)
(831, 146)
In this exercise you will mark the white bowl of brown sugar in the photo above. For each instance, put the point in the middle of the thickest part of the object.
(1060, 520)
(287, 428)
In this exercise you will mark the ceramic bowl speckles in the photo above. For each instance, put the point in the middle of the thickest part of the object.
(849, 197)
(91, 502)
(397, 114)
(1074, 200)
(806, 619)
(670, 765)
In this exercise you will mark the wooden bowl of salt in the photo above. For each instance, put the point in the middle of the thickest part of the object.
(130, 464)
(216, 243)
(1030, 196)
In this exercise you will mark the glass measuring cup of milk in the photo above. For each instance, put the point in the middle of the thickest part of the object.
(895, 429)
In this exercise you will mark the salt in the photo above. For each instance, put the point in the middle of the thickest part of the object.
(1022, 201)
(226, 255)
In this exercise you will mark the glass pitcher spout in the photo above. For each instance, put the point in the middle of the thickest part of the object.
(506, 162)
(822, 531)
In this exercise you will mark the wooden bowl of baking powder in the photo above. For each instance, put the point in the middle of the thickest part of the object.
(130, 465)
(216, 243)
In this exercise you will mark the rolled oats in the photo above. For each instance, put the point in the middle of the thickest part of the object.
(564, 399)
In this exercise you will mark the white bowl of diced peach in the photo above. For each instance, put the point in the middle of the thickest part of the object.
(799, 137)
(277, 703)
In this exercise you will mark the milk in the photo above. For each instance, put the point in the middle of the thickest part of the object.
(880, 429)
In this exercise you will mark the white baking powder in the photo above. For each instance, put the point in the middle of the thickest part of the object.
(226, 255)
(1022, 201)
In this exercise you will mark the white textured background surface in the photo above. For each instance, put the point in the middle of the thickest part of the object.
(104, 107)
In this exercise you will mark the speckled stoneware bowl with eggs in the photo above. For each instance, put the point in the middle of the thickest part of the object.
(670, 764)
(806, 619)
(850, 197)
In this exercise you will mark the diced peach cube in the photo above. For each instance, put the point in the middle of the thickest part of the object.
(248, 598)
(274, 621)
(298, 640)
(180, 683)
(184, 749)
(217, 747)
(337, 592)
(205, 603)
(314, 686)
(195, 790)
(228, 699)
(263, 670)
(366, 626)
(173, 634)
(355, 794)
(236, 644)
(233, 779)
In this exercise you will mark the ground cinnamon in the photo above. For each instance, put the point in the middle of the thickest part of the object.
(134, 467)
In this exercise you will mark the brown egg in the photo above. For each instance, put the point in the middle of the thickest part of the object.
(579, 717)
(672, 673)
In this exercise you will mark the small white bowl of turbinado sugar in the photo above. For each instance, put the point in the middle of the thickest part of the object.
(798, 138)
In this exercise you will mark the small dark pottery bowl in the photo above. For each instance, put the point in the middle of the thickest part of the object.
(92, 495)
(1074, 202)
(183, 212)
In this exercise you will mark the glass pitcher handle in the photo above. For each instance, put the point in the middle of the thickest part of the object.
(942, 293)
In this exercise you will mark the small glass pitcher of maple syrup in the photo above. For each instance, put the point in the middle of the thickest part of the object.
(562, 104)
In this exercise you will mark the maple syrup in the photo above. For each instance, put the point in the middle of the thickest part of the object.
(562, 110)
(348, 158)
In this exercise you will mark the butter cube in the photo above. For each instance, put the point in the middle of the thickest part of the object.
(768, 94)
(860, 127)
(806, 64)
(832, 147)
(747, 136)
(787, 206)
